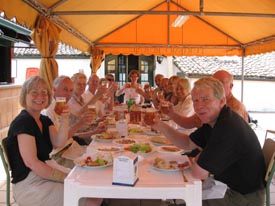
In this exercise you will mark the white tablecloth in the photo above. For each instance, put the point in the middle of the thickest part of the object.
(152, 184)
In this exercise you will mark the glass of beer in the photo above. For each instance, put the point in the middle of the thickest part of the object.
(119, 113)
(149, 116)
(164, 108)
(127, 85)
(59, 104)
(160, 96)
(92, 111)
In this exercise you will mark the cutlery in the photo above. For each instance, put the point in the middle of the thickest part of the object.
(182, 166)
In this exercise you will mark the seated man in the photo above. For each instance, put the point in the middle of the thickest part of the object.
(63, 87)
(227, 80)
(229, 147)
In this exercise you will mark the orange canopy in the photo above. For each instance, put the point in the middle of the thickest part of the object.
(226, 27)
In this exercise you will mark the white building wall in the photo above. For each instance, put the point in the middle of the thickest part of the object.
(65, 67)
(258, 95)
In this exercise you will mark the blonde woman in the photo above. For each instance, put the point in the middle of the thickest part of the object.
(31, 138)
(182, 92)
(172, 83)
(185, 105)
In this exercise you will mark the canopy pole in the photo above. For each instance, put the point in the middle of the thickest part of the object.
(242, 84)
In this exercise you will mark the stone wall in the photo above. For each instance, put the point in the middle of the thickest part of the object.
(9, 106)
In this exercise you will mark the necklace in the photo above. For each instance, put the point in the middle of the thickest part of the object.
(78, 101)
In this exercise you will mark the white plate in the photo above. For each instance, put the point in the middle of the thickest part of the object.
(133, 130)
(124, 141)
(139, 152)
(149, 132)
(81, 161)
(167, 162)
(165, 170)
(169, 150)
(138, 137)
(98, 138)
(102, 140)
(97, 167)
(108, 149)
(163, 141)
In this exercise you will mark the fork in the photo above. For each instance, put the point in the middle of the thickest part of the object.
(182, 167)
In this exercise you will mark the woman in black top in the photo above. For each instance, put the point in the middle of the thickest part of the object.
(31, 138)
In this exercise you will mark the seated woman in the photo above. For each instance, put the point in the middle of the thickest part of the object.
(31, 138)
(172, 83)
(185, 104)
(129, 89)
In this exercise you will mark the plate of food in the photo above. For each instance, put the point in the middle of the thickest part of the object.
(138, 137)
(107, 136)
(111, 122)
(140, 148)
(135, 129)
(94, 160)
(160, 140)
(170, 149)
(108, 149)
(124, 141)
(168, 165)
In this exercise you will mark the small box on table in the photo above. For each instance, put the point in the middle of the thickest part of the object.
(125, 169)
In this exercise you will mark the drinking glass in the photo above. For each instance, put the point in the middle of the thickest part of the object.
(59, 105)
(149, 116)
(164, 108)
(92, 111)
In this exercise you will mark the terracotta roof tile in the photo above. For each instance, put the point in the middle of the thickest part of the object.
(63, 50)
(260, 66)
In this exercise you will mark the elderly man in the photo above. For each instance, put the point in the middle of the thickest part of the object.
(229, 147)
(63, 87)
(227, 80)
(158, 80)
(93, 84)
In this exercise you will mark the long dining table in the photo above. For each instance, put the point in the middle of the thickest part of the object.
(83, 182)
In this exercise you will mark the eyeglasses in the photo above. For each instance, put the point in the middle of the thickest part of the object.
(79, 84)
(109, 79)
(35, 93)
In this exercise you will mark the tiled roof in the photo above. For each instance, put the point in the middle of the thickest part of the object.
(63, 50)
(260, 66)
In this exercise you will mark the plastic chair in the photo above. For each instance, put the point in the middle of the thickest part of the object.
(269, 155)
(4, 158)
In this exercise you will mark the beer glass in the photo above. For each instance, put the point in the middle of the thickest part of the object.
(59, 105)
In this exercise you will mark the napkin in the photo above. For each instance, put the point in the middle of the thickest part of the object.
(74, 151)
(213, 189)
(57, 166)
(57, 150)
